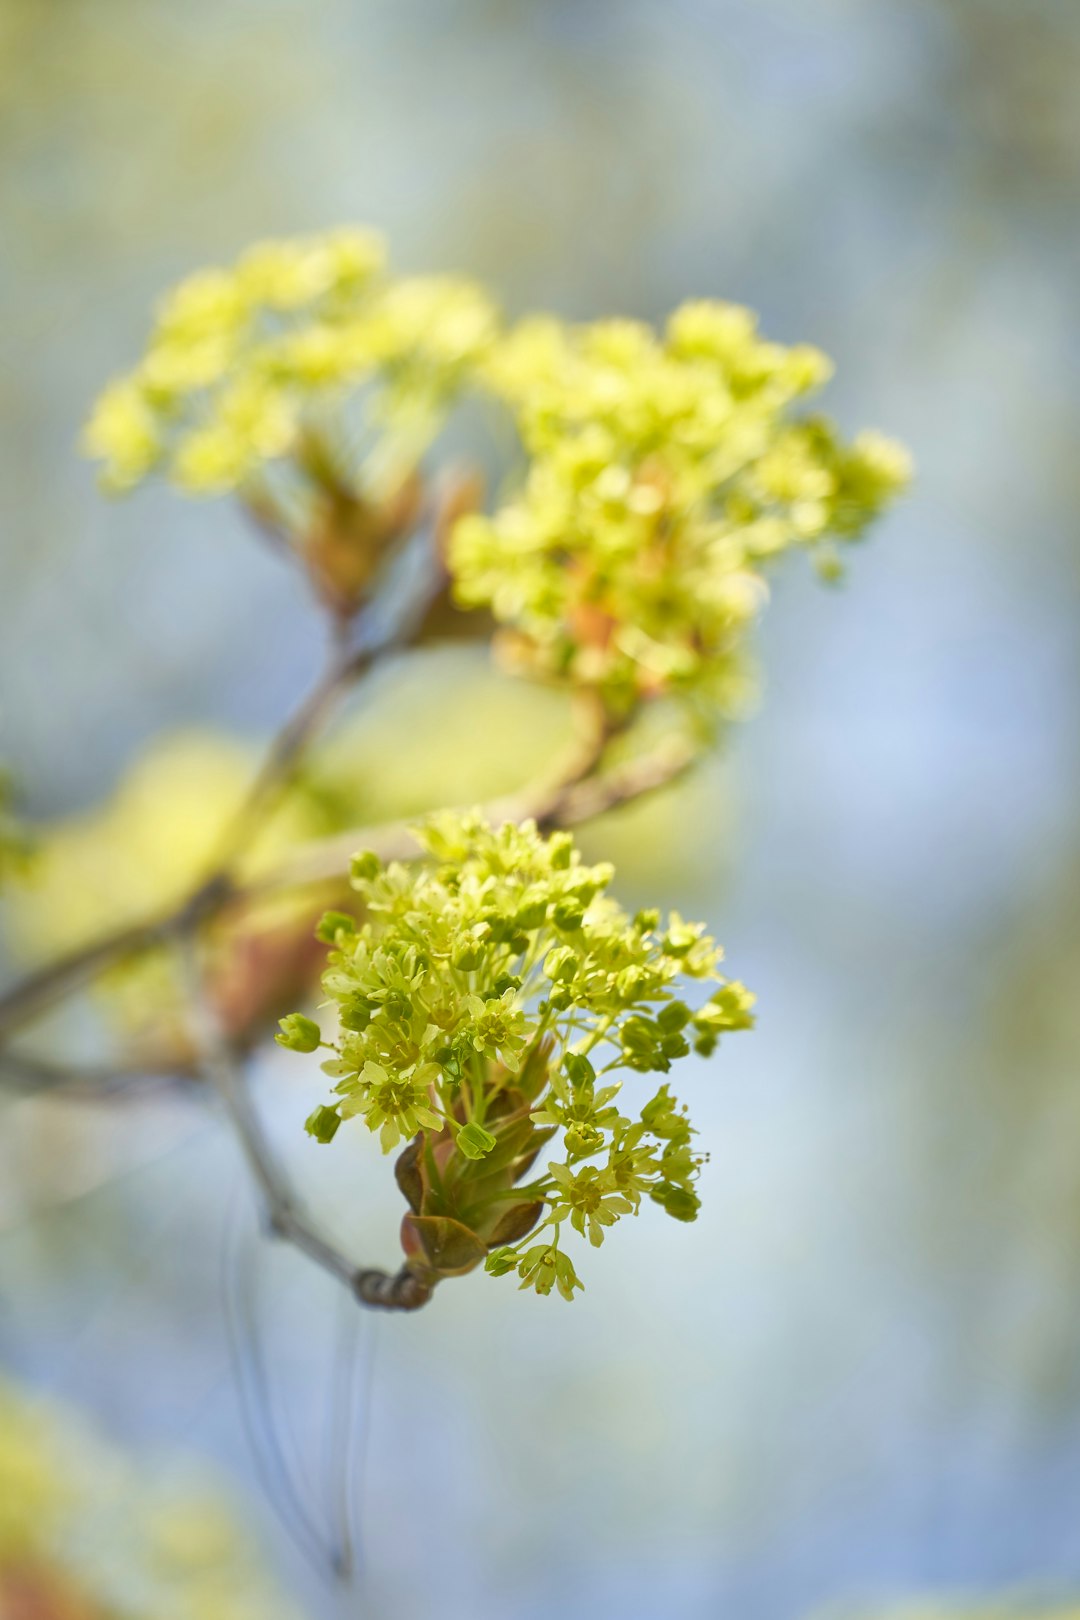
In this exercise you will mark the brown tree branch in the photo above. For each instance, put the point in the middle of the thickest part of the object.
(551, 804)
(577, 790)
(344, 668)
(594, 796)
(285, 1217)
(578, 795)
(31, 1075)
(37, 992)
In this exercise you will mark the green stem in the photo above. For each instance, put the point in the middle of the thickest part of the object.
(598, 1034)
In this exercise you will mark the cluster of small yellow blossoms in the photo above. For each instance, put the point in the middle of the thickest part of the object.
(487, 1002)
(253, 364)
(487, 1006)
(663, 474)
(663, 471)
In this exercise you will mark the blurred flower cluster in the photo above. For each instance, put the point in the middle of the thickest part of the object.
(664, 472)
(474, 1004)
(244, 362)
(310, 382)
(140, 853)
(486, 1000)
(145, 848)
(86, 1534)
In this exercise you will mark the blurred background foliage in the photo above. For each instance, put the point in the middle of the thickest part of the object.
(87, 1534)
(857, 1379)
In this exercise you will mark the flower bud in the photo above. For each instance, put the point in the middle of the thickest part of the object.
(579, 1070)
(568, 914)
(332, 924)
(365, 866)
(561, 964)
(299, 1034)
(474, 1142)
(323, 1124)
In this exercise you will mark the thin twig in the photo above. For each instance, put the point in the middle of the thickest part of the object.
(402, 1290)
(345, 666)
(35, 994)
(564, 804)
(40, 990)
(576, 791)
(594, 796)
(256, 1407)
(575, 798)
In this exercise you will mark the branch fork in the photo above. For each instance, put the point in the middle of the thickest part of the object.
(577, 791)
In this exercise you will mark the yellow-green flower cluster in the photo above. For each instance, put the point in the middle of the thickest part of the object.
(664, 472)
(491, 1001)
(254, 363)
